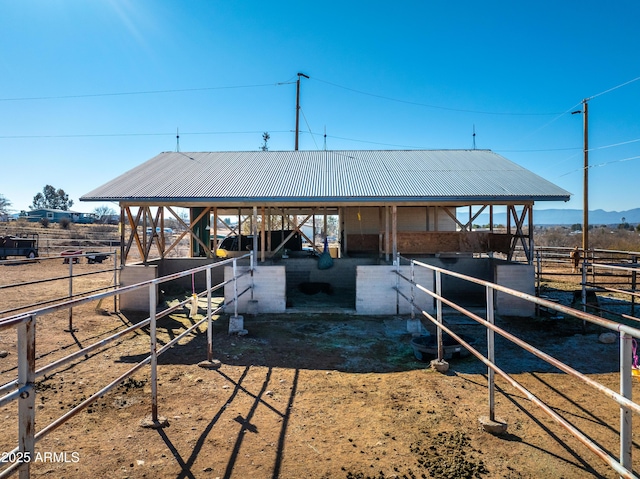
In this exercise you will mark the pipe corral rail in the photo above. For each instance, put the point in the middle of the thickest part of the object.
(71, 259)
(599, 270)
(623, 466)
(23, 389)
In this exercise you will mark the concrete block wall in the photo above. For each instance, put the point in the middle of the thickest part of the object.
(342, 275)
(175, 265)
(132, 274)
(520, 277)
(376, 293)
(270, 289)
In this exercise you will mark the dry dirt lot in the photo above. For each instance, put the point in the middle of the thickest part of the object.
(320, 396)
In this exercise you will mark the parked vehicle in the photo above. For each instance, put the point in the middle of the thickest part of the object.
(96, 257)
(19, 246)
(245, 243)
(167, 231)
(71, 254)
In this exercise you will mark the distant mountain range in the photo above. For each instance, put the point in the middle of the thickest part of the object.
(568, 217)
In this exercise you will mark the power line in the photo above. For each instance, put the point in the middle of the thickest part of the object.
(615, 144)
(602, 164)
(432, 106)
(98, 135)
(614, 88)
(309, 128)
(143, 92)
(540, 150)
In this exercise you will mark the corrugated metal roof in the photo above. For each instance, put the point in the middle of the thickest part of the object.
(329, 176)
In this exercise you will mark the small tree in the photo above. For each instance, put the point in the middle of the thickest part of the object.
(265, 139)
(65, 223)
(104, 213)
(4, 205)
(52, 198)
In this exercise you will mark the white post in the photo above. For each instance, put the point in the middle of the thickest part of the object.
(235, 288)
(115, 279)
(413, 292)
(26, 403)
(491, 352)
(626, 438)
(439, 316)
(154, 353)
(71, 260)
(209, 319)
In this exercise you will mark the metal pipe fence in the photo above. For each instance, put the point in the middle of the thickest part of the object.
(71, 259)
(23, 390)
(599, 270)
(622, 465)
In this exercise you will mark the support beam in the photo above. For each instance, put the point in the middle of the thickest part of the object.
(394, 226)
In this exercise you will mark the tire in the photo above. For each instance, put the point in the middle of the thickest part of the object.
(31, 254)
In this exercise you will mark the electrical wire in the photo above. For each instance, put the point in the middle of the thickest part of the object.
(432, 106)
(145, 92)
(614, 145)
(598, 165)
(309, 128)
(98, 135)
(614, 88)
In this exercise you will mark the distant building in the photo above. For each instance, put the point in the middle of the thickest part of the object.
(54, 216)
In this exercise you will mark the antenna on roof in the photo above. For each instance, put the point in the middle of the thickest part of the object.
(474, 136)
(177, 140)
(325, 137)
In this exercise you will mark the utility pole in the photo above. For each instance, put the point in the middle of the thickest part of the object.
(298, 107)
(585, 204)
(585, 177)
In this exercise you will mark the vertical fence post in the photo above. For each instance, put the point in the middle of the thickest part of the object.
(491, 353)
(539, 271)
(397, 285)
(209, 319)
(251, 268)
(626, 439)
(115, 279)
(634, 283)
(235, 288)
(439, 315)
(27, 400)
(154, 353)
(71, 260)
(413, 293)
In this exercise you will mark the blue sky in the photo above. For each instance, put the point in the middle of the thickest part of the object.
(89, 90)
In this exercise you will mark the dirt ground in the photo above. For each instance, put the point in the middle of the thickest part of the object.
(320, 396)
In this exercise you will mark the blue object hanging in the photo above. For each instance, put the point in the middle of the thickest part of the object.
(325, 261)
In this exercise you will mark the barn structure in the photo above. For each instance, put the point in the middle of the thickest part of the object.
(379, 205)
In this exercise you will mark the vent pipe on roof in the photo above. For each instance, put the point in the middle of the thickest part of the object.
(474, 136)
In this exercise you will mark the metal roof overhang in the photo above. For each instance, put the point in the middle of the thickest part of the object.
(332, 201)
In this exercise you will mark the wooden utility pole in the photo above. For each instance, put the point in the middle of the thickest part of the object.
(298, 107)
(585, 174)
(585, 205)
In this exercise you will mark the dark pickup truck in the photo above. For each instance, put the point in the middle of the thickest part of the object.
(230, 243)
(26, 246)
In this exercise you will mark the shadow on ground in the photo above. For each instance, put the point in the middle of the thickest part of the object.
(353, 343)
